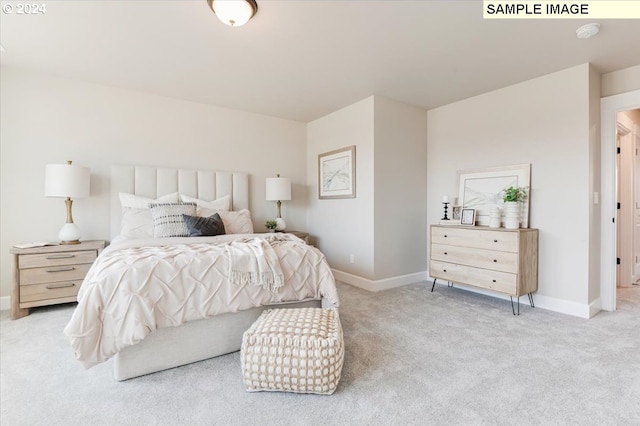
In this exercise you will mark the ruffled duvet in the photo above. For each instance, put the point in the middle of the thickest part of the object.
(137, 286)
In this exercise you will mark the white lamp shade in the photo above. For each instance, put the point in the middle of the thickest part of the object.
(233, 12)
(66, 180)
(278, 189)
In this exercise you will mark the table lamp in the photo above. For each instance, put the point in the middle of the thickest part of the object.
(279, 189)
(67, 181)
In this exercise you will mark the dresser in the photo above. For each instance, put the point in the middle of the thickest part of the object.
(49, 275)
(501, 260)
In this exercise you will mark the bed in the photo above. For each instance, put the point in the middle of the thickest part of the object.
(158, 303)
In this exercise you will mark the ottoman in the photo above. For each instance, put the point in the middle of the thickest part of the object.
(293, 350)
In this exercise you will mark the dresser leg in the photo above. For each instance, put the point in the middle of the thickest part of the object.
(512, 307)
(434, 284)
(17, 313)
(531, 300)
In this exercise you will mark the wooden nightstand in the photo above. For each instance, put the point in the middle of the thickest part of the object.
(304, 236)
(49, 275)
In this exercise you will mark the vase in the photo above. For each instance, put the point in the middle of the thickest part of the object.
(494, 218)
(512, 215)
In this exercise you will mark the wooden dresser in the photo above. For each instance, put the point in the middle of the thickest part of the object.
(49, 275)
(502, 260)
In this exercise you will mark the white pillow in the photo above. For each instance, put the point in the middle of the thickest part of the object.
(207, 208)
(136, 223)
(136, 217)
(168, 220)
(138, 202)
(237, 222)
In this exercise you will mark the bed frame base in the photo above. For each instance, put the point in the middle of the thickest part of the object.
(190, 342)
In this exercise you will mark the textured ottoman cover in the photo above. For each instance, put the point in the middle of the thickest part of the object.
(293, 350)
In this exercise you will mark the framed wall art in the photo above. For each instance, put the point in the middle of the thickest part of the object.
(337, 173)
(482, 190)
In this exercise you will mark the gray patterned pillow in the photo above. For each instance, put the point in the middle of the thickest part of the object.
(200, 226)
(168, 220)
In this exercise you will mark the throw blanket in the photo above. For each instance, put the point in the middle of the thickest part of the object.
(138, 286)
(253, 261)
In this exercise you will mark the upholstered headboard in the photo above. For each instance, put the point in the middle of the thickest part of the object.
(154, 182)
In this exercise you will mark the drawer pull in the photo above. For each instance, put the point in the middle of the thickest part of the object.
(445, 253)
(63, 285)
(444, 270)
(61, 256)
(445, 235)
(495, 260)
(65, 269)
(493, 281)
(495, 241)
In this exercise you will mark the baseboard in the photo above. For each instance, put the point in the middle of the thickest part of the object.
(379, 285)
(5, 303)
(545, 302)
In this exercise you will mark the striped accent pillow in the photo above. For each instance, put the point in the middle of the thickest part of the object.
(168, 220)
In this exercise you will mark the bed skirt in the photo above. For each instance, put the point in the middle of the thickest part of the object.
(193, 341)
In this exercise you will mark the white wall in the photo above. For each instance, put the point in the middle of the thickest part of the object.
(400, 181)
(344, 226)
(595, 215)
(620, 81)
(50, 120)
(384, 226)
(545, 122)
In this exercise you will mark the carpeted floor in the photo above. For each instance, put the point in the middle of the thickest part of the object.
(412, 357)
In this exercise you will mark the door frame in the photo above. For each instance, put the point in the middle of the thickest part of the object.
(609, 108)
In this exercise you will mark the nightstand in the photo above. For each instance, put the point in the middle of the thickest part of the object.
(49, 275)
(304, 236)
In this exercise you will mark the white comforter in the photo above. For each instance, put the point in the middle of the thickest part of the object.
(137, 286)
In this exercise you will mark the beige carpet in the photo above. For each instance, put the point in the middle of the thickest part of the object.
(412, 357)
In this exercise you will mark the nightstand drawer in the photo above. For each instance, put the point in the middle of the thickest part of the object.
(55, 259)
(492, 280)
(37, 292)
(53, 274)
(488, 259)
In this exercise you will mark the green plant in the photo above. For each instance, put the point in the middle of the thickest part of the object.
(271, 224)
(513, 193)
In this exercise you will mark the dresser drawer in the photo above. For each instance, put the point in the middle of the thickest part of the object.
(484, 278)
(488, 259)
(37, 292)
(474, 238)
(56, 259)
(53, 274)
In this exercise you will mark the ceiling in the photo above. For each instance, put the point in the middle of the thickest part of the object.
(302, 59)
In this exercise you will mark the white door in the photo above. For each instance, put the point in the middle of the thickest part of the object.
(626, 210)
(636, 210)
(629, 210)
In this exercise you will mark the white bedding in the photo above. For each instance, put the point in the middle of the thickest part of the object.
(137, 286)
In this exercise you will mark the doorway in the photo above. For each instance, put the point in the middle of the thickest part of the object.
(628, 199)
(609, 108)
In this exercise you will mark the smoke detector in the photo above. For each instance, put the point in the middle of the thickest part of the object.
(588, 30)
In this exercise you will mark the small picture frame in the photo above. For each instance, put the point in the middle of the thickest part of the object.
(468, 217)
(455, 212)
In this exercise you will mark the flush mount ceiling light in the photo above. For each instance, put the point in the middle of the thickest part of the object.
(588, 30)
(234, 12)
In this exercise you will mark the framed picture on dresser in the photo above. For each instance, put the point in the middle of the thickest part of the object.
(468, 217)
